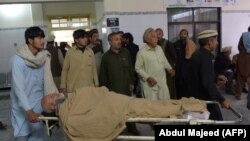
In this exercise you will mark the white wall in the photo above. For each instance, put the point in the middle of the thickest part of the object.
(137, 22)
(134, 5)
(15, 15)
(233, 24)
(12, 28)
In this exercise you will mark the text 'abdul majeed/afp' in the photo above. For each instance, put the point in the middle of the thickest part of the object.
(202, 133)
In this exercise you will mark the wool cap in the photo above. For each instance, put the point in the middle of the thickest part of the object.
(51, 38)
(226, 49)
(207, 34)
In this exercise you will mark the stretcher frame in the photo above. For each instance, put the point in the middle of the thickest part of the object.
(159, 120)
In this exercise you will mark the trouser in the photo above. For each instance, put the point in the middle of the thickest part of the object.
(171, 86)
(248, 98)
(215, 112)
(37, 135)
(240, 83)
(229, 85)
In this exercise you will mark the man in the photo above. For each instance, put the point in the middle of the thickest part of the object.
(31, 79)
(243, 65)
(151, 65)
(200, 78)
(56, 60)
(184, 47)
(170, 54)
(97, 114)
(96, 45)
(79, 68)
(128, 43)
(223, 66)
(117, 72)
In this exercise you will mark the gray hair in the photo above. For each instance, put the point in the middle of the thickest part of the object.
(146, 34)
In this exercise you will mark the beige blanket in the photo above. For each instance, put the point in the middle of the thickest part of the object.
(95, 114)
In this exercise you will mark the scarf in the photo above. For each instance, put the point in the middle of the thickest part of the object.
(42, 58)
(190, 48)
(246, 41)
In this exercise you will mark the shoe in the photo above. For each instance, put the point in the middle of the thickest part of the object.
(2, 126)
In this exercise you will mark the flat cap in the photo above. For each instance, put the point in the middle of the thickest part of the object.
(51, 38)
(207, 33)
(226, 49)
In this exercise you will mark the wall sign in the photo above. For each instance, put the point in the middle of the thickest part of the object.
(111, 22)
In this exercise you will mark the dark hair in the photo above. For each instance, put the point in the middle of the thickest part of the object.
(184, 30)
(159, 29)
(33, 32)
(128, 36)
(92, 31)
(111, 35)
(249, 29)
(79, 33)
(120, 32)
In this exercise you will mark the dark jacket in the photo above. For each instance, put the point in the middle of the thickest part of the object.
(221, 64)
(116, 71)
(200, 77)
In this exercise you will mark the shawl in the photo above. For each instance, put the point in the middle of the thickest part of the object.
(42, 58)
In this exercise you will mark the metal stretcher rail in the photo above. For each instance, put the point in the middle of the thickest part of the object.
(162, 120)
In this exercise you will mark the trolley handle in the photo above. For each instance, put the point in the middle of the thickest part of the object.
(234, 111)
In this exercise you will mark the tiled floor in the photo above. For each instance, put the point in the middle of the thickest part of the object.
(7, 135)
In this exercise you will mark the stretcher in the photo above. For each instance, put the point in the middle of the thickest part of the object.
(159, 120)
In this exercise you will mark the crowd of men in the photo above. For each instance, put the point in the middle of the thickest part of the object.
(158, 70)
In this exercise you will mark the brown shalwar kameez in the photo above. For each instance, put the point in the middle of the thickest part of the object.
(242, 69)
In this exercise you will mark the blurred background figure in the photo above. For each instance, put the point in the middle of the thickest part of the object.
(56, 60)
(223, 66)
(128, 43)
(169, 51)
(96, 45)
(243, 65)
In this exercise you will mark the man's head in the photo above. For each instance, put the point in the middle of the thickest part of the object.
(208, 39)
(49, 102)
(159, 33)
(93, 37)
(127, 38)
(114, 40)
(150, 37)
(51, 38)
(80, 38)
(34, 37)
(227, 50)
(183, 34)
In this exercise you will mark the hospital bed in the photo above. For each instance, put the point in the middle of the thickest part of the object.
(161, 121)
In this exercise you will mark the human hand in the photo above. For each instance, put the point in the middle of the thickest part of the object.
(32, 116)
(62, 90)
(221, 80)
(226, 104)
(171, 72)
(151, 81)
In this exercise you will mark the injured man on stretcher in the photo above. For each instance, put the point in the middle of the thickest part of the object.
(97, 114)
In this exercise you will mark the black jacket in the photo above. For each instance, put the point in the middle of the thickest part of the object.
(200, 77)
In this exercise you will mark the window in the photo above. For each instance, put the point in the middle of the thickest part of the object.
(194, 20)
(69, 22)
